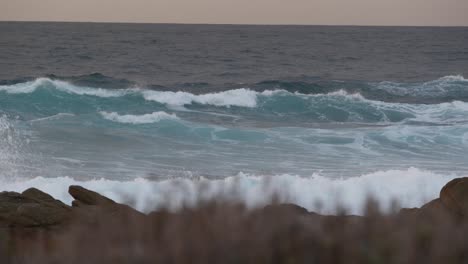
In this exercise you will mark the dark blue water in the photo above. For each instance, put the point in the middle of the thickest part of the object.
(135, 103)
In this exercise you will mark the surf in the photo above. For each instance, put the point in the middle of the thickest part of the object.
(408, 188)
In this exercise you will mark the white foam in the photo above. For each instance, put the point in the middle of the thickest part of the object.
(26, 87)
(237, 97)
(451, 78)
(30, 87)
(99, 92)
(411, 188)
(138, 119)
(339, 93)
(11, 145)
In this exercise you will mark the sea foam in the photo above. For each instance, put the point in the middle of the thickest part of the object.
(138, 119)
(410, 188)
(237, 97)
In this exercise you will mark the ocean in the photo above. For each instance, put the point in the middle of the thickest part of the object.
(161, 115)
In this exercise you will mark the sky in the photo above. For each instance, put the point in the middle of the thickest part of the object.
(308, 12)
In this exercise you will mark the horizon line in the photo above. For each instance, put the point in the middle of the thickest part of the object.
(228, 24)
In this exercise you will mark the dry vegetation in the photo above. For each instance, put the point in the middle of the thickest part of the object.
(228, 233)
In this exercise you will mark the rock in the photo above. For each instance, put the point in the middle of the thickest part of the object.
(453, 201)
(36, 194)
(435, 206)
(41, 215)
(454, 196)
(87, 197)
(32, 208)
(285, 209)
(409, 211)
(43, 198)
(90, 206)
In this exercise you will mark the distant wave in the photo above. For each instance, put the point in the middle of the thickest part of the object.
(237, 97)
(138, 119)
(32, 86)
(446, 87)
(335, 106)
(411, 188)
(440, 83)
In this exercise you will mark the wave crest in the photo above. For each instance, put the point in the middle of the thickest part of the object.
(138, 119)
(238, 97)
(32, 86)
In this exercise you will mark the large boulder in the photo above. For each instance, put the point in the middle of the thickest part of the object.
(86, 197)
(32, 208)
(454, 196)
(90, 206)
(434, 207)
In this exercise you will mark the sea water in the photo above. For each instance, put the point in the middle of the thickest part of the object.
(165, 115)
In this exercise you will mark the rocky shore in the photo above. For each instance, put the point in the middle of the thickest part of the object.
(36, 228)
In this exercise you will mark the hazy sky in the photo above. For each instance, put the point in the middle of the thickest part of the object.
(328, 12)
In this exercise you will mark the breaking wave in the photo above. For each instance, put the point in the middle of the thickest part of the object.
(32, 86)
(447, 88)
(238, 97)
(335, 106)
(138, 119)
(410, 188)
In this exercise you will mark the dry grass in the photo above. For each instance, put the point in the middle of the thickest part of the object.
(229, 233)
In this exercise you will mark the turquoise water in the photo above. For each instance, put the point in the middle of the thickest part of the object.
(123, 133)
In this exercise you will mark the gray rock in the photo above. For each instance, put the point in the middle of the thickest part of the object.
(90, 206)
(87, 197)
(33, 208)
